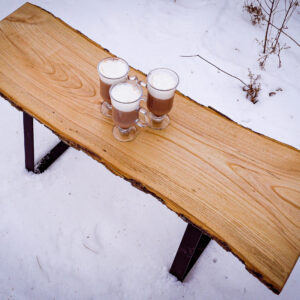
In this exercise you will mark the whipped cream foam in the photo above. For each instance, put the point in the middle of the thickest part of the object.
(113, 70)
(125, 96)
(162, 83)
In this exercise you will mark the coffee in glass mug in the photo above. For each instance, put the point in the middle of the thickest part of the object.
(126, 110)
(161, 86)
(111, 71)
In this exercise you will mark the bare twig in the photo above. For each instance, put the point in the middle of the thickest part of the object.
(266, 3)
(272, 8)
(288, 13)
(271, 43)
(252, 89)
(85, 246)
(197, 55)
(286, 34)
(41, 268)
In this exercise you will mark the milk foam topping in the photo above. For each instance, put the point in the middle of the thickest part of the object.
(113, 70)
(162, 83)
(124, 96)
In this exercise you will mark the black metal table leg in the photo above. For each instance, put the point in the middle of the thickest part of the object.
(28, 142)
(48, 159)
(191, 247)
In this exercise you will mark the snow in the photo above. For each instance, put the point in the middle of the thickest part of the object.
(79, 232)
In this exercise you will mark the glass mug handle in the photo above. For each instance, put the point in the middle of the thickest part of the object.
(133, 78)
(139, 82)
(142, 83)
(144, 112)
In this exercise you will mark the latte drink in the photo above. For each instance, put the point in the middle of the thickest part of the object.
(161, 85)
(124, 119)
(158, 106)
(125, 100)
(111, 71)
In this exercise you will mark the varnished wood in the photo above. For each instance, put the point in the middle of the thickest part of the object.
(241, 188)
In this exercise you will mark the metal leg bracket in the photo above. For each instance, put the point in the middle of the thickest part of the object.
(191, 247)
(48, 159)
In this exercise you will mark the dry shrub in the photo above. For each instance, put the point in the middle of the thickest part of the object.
(253, 88)
(255, 11)
(265, 10)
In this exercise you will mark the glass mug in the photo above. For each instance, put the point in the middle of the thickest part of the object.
(161, 85)
(125, 99)
(111, 70)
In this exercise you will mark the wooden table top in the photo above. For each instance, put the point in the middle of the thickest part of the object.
(241, 188)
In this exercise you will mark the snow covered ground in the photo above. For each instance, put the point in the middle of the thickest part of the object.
(79, 232)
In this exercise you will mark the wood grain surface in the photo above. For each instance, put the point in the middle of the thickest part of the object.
(241, 188)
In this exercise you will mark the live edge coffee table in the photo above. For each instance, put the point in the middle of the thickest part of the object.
(229, 183)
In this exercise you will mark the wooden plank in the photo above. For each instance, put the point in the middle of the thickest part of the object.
(241, 188)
